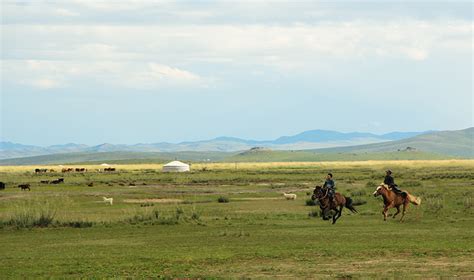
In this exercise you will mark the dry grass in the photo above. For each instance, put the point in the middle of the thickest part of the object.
(258, 165)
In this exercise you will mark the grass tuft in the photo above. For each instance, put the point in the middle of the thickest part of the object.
(223, 199)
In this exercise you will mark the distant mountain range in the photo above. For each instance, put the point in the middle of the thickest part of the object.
(312, 139)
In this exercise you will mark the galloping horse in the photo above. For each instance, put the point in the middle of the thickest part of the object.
(321, 194)
(394, 200)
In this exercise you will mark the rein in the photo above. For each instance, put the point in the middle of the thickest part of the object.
(325, 195)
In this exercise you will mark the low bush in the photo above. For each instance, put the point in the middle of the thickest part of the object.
(314, 213)
(77, 224)
(223, 199)
(358, 202)
(310, 202)
(358, 193)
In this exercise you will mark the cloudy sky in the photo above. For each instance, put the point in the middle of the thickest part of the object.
(90, 72)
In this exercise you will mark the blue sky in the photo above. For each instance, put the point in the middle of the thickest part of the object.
(143, 71)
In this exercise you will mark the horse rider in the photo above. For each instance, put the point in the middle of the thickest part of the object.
(331, 186)
(390, 182)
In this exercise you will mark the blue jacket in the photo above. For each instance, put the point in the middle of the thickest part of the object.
(329, 184)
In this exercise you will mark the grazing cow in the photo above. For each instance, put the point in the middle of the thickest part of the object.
(65, 170)
(41, 170)
(24, 187)
(44, 181)
(108, 200)
(81, 170)
(2, 185)
(52, 170)
(58, 181)
(91, 184)
(109, 169)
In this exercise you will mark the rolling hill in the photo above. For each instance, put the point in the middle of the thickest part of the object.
(459, 143)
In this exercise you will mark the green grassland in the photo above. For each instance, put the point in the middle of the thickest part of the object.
(172, 225)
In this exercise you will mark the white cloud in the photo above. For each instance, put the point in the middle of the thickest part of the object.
(45, 83)
(156, 75)
(243, 44)
(416, 54)
(66, 12)
(46, 74)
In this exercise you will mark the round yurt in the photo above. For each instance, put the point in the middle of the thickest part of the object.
(176, 166)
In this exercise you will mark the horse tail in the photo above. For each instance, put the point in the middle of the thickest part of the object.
(414, 199)
(348, 204)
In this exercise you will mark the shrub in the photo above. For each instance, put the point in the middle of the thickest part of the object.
(147, 204)
(223, 199)
(78, 224)
(310, 202)
(358, 193)
(314, 213)
(358, 202)
(195, 216)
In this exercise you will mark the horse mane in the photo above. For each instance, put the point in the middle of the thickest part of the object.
(384, 186)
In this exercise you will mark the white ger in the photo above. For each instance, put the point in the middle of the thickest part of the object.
(176, 166)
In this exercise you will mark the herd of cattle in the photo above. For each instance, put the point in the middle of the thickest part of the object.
(24, 187)
(69, 169)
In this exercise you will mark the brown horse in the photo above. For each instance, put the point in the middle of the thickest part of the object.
(395, 200)
(321, 194)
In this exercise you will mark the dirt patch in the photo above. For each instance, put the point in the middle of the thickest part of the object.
(153, 200)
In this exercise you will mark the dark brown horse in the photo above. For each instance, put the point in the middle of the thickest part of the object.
(321, 194)
(395, 200)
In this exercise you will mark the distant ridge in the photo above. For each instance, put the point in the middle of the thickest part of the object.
(311, 139)
(434, 145)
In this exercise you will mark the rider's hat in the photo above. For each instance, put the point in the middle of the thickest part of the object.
(389, 171)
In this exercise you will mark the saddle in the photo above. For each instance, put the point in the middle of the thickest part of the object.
(397, 191)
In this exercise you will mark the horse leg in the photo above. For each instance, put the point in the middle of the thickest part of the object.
(338, 215)
(403, 211)
(325, 212)
(384, 212)
(398, 211)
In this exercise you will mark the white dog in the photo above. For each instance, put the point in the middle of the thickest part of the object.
(109, 200)
(289, 196)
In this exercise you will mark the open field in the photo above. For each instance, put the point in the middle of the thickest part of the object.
(172, 225)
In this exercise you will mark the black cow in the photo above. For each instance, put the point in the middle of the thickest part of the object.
(57, 181)
(24, 187)
(2, 185)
